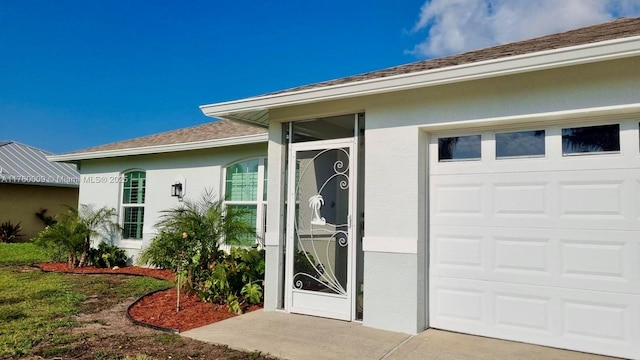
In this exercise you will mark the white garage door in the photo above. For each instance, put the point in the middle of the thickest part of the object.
(534, 235)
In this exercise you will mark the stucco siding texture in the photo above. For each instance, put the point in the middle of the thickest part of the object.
(19, 203)
(198, 170)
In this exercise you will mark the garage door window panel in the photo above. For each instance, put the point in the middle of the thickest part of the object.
(459, 148)
(520, 144)
(591, 139)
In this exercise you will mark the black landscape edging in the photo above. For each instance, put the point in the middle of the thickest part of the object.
(147, 325)
(136, 322)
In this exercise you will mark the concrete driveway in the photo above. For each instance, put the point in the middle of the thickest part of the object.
(300, 337)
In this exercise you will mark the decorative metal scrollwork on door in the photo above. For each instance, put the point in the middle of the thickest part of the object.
(321, 225)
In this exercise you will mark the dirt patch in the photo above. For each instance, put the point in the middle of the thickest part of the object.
(108, 334)
(104, 331)
(125, 270)
(111, 321)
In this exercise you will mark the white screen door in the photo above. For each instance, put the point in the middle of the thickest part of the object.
(320, 249)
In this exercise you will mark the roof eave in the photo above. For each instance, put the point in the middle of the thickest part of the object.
(48, 184)
(157, 149)
(245, 109)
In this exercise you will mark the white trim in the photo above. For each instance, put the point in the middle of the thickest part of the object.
(586, 114)
(196, 145)
(542, 60)
(395, 245)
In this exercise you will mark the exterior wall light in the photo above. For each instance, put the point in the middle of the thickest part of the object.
(176, 190)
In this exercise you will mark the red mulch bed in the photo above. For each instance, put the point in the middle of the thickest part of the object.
(125, 270)
(159, 309)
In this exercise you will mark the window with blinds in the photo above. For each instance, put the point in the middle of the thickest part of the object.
(133, 198)
(245, 188)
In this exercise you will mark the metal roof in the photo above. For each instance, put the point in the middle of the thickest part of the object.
(26, 165)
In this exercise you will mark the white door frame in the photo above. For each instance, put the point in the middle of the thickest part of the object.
(317, 303)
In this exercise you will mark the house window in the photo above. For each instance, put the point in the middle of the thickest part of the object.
(520, 144)
(245, 188)
(459, 148)
(591, 139)
(133, 204)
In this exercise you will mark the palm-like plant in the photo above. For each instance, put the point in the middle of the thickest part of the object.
(190, 236)
(75, 229)
(100, 222)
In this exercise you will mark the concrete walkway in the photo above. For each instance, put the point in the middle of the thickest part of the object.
(300, 337)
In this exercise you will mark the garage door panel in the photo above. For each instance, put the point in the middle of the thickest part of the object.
(538, 249)
(594, 201)
(605, 323)
(579, 259)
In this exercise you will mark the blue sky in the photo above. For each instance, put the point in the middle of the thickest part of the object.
(75, 74)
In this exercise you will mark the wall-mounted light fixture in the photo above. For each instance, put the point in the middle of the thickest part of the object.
(176, 189)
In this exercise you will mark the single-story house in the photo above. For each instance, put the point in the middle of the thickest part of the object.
(138, 177)
(494, 192)
(30, 184)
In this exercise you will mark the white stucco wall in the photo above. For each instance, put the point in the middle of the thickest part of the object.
(396, 175)
(201, 169)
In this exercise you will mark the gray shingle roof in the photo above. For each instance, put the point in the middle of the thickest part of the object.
(617, 29)
(24, 164)
(210, 131)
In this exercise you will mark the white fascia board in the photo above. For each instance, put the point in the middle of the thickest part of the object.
(584, 114)
(157, 149)
(549, 59)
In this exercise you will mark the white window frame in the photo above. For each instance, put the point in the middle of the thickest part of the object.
(123, 205)
(260, 202)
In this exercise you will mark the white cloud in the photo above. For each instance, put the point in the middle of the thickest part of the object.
(454, 26)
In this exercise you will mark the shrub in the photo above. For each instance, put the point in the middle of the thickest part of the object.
(10, 233)
(67, 236)
(46, 219)
(190, 236)
(236, 280)
(188, 242)
(75, 230)
(106, 256)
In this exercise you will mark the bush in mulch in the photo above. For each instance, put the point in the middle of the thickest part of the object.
(125, 270)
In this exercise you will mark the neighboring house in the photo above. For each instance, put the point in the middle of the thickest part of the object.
(136, 177)
(495, 192)
(29, 184)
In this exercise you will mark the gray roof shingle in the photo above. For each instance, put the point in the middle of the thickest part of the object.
(620, 28)
(27, 165)
(216, 130)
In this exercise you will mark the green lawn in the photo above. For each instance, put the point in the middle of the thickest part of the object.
(37, 307)
(21, 254)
